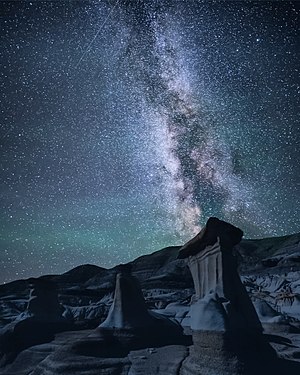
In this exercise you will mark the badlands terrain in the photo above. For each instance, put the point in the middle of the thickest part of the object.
(62, 324)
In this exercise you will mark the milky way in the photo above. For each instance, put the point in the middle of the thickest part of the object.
(126, 124)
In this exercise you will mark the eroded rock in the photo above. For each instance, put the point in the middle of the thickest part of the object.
(224, 322)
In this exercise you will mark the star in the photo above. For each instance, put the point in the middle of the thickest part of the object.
(125, 125)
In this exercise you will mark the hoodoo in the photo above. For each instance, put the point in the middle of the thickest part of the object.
(128, 326)
(224, 322)
(129, 319)
(36, 325)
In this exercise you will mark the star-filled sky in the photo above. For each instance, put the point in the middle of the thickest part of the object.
(126, 124)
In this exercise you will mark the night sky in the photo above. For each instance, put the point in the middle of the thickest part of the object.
(126, 124)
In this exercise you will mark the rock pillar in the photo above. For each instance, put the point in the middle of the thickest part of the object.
(227, 333)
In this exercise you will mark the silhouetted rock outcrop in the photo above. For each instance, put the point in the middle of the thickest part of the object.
(43, 302)
(41, 319)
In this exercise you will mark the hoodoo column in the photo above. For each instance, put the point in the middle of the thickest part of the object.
(227, 333)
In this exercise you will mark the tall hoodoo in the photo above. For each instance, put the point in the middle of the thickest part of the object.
(224, 322)
(218, 288)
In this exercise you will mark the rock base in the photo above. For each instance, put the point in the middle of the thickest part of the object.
(218, 353)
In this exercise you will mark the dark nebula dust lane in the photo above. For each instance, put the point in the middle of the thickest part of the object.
(126, 124)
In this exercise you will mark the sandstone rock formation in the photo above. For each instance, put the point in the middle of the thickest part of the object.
(224, 322)
(129, 320)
